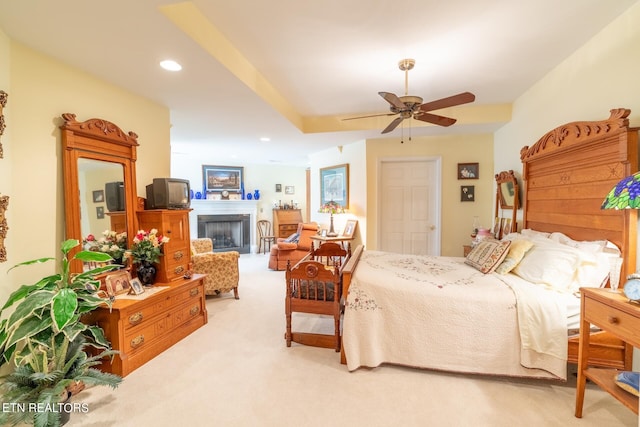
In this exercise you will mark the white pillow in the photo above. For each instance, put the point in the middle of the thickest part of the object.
(550, 264)
(527, 232)
(585, 245)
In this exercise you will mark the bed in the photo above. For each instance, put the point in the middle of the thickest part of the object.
(441, 313)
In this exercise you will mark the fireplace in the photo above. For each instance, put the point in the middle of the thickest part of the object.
(229, 232)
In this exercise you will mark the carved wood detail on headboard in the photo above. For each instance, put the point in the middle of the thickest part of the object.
(568, 172)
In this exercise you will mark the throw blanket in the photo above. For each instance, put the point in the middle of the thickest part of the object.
(436, 313)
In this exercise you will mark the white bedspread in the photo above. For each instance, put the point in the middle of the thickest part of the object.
(438, 313)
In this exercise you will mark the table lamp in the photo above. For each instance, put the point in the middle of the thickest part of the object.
(332, 208)
(625, 195)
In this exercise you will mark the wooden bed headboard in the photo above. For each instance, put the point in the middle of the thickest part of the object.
(568, 173)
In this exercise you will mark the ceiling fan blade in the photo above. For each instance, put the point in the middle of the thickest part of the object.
(461, 98)
(372, 115)
(435, 119)
(393, 99)
(394, 124)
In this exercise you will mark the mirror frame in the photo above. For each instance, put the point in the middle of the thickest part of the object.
(96, 139)
(501, 203)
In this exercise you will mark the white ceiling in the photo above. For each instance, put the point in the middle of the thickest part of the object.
(315, 61)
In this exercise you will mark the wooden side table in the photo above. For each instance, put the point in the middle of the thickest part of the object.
(339, 239)
(612, 312)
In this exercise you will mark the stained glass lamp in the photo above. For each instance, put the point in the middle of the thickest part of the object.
(332, 208)
(625, 195)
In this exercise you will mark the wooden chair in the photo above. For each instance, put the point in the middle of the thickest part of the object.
(330, 254)
(265, 235)
(313, 287)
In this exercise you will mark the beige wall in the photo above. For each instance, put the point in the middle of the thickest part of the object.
(40, 90)
(457, 216)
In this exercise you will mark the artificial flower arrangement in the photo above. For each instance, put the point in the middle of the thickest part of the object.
(332, 208)
(146, 247)
(112, 243)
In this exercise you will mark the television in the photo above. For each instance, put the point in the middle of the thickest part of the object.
(168, 193)
(114, 195)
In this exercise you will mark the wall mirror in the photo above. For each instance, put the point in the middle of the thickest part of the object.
(99, 179)
(507, 197)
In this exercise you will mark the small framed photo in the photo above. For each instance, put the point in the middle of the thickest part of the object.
(278, 188)
(289, 189)
(323, 232)
(136, 286)
(118, 283)
(100, 212)
(350, 228)
(468, 171)
(98, 196)
(467, 193)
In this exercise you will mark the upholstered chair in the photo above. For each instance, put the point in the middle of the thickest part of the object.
(293, 250)
(221, 268)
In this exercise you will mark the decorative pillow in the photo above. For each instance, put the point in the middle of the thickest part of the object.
(517, 251)
(488, 254)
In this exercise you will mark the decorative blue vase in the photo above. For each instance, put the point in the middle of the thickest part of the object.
(248, 196)
(256, 194)
(242, 195)
(198, 195)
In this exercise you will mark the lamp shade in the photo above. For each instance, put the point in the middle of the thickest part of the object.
(332, 208)
(625, 195)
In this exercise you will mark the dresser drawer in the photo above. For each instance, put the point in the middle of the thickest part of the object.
(288, 229)
(176, 269)
(193, 293)
(186, 313)
(136, 339)
(145, 313)
(607, 317)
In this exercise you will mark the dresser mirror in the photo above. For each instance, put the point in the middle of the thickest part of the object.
(507, 197)
(99, 179)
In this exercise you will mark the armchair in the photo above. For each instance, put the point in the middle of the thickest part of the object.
(221, 268)
(293, 252)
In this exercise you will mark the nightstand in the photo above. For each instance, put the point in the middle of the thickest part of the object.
(612, 312)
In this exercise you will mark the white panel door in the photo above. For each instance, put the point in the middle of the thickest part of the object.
(409, 207)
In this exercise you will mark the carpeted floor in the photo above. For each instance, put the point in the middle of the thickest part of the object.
(237, 371)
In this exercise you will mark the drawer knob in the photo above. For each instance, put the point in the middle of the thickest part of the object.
(614, 320)
(179, 270)
(194, 310)
(137, 341)
(193, 292)
(135, 318)
(178, 255)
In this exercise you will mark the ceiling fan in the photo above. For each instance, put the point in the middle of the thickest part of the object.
(408, 106)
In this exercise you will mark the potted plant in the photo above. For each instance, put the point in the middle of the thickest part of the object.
(46, 341)
(145, 251)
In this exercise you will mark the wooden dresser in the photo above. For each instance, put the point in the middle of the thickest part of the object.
(285, 221)
(173, 223)
(142, 329)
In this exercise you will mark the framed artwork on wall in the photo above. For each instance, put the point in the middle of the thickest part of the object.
(98, 196)
(334, 185)
(289, 189)
(467, 193)
(468, 171)
(222, 178)
(100, 212)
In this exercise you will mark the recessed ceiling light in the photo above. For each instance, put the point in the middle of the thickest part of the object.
(265, 139)
(170, 65)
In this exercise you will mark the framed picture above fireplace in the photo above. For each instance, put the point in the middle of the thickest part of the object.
(217, 179)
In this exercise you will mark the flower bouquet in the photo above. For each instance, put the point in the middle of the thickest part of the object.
(146, 251)
(111, 243)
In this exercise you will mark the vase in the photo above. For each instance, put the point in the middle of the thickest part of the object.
(249, 196)
(256, 195)
(146, 273)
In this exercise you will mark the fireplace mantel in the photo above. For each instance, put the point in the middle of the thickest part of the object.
(223, 207)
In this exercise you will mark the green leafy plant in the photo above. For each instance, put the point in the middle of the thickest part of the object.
(45, 338)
